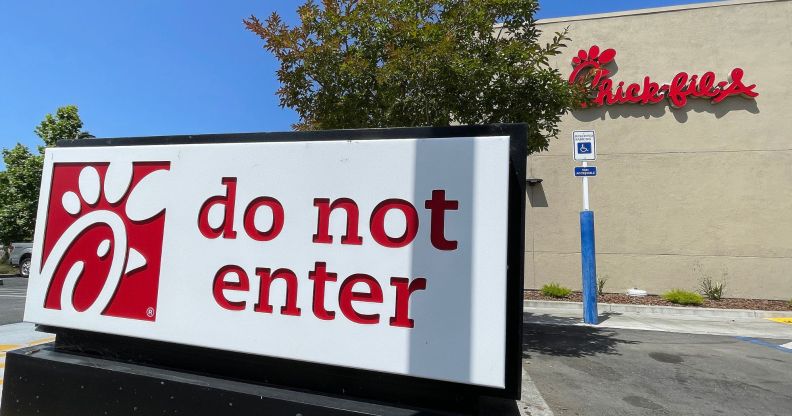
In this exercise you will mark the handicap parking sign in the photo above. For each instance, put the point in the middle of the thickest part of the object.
(584, 147)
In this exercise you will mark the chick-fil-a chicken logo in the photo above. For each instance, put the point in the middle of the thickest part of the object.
(682, 86)
(103, 239)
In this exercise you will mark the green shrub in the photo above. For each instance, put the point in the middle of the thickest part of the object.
(711, 289)
(554, 290)
(683, 297)
(601, 284)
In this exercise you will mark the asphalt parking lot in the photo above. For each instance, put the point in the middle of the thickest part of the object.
(12, 299)
(594, 371)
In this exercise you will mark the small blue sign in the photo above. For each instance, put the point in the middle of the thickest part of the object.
(584, 148)
(585, 171)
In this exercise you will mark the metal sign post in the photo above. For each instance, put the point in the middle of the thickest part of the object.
(584, 149)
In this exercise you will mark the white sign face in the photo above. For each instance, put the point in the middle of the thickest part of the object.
(583, 146)
(383, 255)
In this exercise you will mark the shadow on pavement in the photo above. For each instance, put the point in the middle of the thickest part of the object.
(556, 336)
(492, 406)
(606, 315)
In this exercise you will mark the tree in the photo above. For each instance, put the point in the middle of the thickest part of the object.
(389, 63)
(65, 124)
(19, 192)
(21, 181)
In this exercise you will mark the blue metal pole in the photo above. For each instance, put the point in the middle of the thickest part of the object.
(589, 267)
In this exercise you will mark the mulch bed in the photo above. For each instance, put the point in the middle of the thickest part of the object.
(726, 303)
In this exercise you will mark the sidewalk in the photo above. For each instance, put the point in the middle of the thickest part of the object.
(665, 322)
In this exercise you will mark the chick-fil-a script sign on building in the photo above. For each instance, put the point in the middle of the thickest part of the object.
(682, 86)
(384, 255)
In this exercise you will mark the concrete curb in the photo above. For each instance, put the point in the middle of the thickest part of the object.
(659, 310)
(531, 401)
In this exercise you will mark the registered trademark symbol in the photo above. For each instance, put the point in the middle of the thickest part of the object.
(150, 312)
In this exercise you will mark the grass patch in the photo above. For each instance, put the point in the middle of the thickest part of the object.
(6, 268)
(683, 297)
(554, 290)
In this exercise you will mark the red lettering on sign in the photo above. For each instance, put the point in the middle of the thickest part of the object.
(320, 277)
(405, 288)
(323, 222)
(736, 87)
(226, 228)
(220, 284)
(682, 86)
(266, 279)
(438, 205)
(377, 223)
(277, 218)
(346, 295)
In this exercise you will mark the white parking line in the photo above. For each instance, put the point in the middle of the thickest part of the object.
(788, 346)
(13, 293)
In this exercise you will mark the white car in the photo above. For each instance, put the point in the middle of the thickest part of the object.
(20, 256)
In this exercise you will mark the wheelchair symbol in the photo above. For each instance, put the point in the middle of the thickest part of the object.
(584, 148)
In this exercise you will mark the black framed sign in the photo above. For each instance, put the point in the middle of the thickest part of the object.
(393, 255)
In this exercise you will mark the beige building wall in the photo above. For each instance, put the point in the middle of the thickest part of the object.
(705, 186)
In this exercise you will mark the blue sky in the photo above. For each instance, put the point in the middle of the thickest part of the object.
(152, 67)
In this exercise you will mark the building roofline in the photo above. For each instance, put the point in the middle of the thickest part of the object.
(655, 10)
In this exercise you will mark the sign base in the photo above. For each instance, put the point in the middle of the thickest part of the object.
(45, 380)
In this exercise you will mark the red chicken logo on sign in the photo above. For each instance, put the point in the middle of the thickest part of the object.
(592, 60)
(103, 238)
